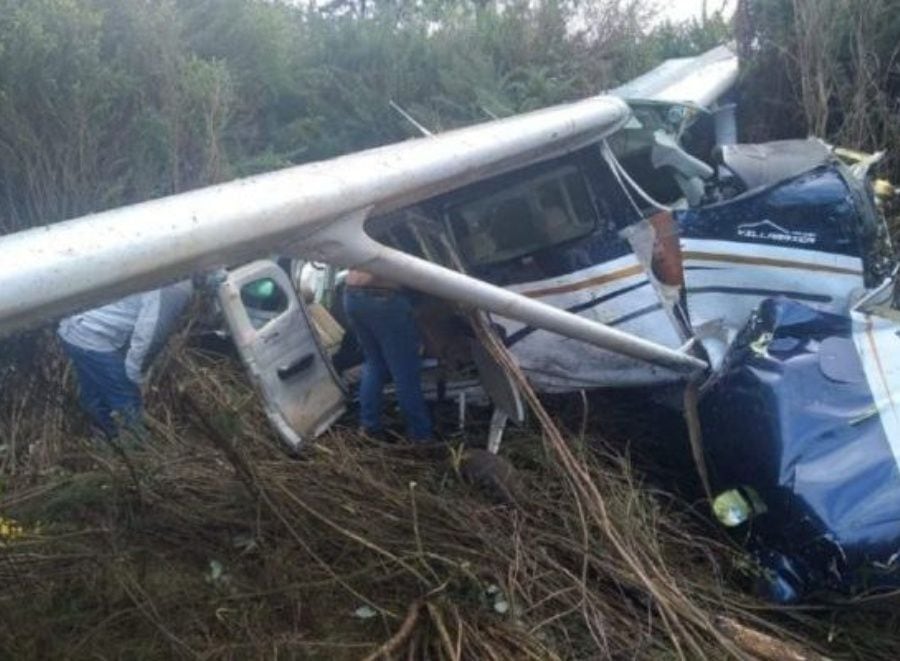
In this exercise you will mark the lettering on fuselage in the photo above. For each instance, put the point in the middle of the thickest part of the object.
(766, 230)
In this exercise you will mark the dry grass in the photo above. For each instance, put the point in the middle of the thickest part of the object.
(210, 543)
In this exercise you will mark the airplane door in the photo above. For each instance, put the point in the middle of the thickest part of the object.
(272, 331)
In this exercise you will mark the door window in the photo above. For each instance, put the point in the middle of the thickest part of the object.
(264, 300)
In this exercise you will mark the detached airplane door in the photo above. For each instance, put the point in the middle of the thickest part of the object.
(273, 335)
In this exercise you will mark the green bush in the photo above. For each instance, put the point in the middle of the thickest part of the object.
(106, 102)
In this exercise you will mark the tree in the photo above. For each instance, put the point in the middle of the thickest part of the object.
(104, 102)
(823, 67)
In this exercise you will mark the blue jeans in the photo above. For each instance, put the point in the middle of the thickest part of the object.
(104, 388)
(384, 324)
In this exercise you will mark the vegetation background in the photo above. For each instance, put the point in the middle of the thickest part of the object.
(104, 102)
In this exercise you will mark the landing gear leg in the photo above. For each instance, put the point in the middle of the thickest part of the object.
(495, 434)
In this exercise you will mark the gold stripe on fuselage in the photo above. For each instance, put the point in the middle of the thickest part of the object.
(606, 278)
(767, 261)
(727, 258)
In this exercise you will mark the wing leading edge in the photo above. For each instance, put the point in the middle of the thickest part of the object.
(50, 271)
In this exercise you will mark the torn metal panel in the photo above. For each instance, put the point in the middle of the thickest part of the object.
(757, 165)
(655, 243)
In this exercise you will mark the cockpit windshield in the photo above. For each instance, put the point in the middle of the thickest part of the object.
(541, 211)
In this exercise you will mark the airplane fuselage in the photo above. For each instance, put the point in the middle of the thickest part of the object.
(808, 238)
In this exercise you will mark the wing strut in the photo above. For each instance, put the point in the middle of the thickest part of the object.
(346, 243)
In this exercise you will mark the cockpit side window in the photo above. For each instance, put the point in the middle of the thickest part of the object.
(522, 218)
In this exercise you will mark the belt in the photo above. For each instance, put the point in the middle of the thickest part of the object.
(376, 291)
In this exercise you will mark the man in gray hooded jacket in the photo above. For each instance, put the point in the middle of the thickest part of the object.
(112, 347)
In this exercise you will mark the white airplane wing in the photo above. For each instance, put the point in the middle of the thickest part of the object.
(317, 210)
(700, 80)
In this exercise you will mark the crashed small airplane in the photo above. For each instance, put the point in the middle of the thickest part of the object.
(613, 244)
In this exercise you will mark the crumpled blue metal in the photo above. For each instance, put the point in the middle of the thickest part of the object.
(808, 440)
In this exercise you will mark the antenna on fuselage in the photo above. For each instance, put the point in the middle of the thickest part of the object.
(489, 113)
(409, 118)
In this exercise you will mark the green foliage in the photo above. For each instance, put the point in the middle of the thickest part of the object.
(689, 38)
(105, 102)
(823, 67)
(100, 104)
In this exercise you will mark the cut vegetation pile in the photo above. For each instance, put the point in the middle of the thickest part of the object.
(208, 542)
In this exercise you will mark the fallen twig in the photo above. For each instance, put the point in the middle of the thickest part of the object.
(394, 642)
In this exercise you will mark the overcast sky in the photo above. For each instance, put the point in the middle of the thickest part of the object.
(679, 10)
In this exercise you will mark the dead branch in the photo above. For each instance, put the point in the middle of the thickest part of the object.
(392, 644)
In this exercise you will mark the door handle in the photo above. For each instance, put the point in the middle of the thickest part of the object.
(304, 363)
